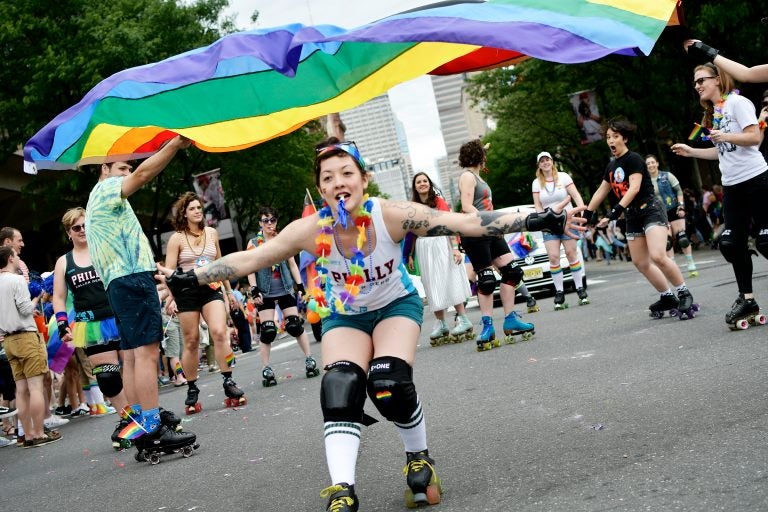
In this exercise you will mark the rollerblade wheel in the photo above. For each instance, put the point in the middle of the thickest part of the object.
(154, 459)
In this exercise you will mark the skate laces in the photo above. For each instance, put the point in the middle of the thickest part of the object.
(416, 465)
(340, 502)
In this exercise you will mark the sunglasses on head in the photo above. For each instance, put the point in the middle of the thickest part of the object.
(78, 228)
(269, 220)
(348, 147)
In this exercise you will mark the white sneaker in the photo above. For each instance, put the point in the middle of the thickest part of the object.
(4, 441)
(55, 421)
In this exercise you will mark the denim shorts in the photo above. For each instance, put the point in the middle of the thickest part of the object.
(409, 306)
(643, 217)
(136, 306)
(548, 237)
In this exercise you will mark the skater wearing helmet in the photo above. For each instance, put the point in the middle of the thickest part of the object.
(371, 312)
(549, 188)
(736, 133)
(274, 286)
(627, 177)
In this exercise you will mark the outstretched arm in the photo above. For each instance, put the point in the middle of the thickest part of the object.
(738, 71)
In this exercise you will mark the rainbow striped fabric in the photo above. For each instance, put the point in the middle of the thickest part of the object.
(252, 86)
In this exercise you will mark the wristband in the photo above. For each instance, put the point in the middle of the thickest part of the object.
(761, 124)
(62, 323)
(299, 288)
(616, 212)
(707, 50)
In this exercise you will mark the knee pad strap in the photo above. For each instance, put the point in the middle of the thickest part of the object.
(294, 325)
(511, 274)
(391, 389)
(109, 379)
(342, 392)
(268, 332)
(486, 282)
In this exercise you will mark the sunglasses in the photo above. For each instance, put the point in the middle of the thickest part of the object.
(701, 80)
(78, 228)
(269, 220)
(348, 147)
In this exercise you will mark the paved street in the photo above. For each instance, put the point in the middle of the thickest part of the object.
(605, 409)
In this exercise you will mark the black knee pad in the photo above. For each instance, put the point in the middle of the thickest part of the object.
(486, 282)
(294, 326)
(730, 247)
(669, 242)
(109, 379)
(390, 386)
(342, 392)
(682, 240)
(511, 274)
(268, 332)
(761, 242)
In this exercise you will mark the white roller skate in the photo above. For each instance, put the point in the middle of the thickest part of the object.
(440, 334)
(463, 330)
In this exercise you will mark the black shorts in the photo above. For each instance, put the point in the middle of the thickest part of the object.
(640, 218)
(284, 301)
(483, 250)
(134, 300)
(196, 298)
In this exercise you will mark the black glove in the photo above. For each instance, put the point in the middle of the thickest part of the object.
(706, 50)
(547, 220)
(255, 292)
(616, 212)
(591, 217)
(62, 323)
(299, 288)
(180, 282)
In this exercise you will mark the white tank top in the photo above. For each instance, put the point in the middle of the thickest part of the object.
(385, 275)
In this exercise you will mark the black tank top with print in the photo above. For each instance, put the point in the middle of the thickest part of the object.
(89, 298)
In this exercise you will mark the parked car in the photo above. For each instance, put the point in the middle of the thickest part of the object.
(535, 264)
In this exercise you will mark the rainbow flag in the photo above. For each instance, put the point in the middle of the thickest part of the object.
(230, 359)
(179, 369)
(698, 131)
(256, 85)
(132, 430)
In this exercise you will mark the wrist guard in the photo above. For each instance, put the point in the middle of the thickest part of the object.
(547, 220)
(180, 282)
(705, 49)
(299, 288)
(255, 292)
(62, 323)
(616, 212)
(591, 217)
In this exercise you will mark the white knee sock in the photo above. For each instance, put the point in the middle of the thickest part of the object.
(414, 432)
(557, 277)
(342, 442)
(577, 271)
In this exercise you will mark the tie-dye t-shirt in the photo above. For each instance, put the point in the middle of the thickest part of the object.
(116, 241)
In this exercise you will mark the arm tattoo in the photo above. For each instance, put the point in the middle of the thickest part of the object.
(442, 230)
(409, 225)
(216, 271)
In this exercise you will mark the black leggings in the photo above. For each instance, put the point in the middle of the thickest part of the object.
(743, 207)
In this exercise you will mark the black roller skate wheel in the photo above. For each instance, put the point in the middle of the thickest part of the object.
(186, 451)
(154, 459)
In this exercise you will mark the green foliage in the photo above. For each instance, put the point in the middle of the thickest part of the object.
(531, 106)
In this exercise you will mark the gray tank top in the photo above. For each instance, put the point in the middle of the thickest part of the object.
(482, 199)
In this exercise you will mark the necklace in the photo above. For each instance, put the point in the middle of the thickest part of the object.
(260, 240)
(324, 302)
(717, 116)
(191, 248)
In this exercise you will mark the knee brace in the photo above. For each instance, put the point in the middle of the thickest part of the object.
(730, 247)
(268, 332)
(390, 386)
(511, 274)
(486, 282)
(669, 243)
(294, 325)
(761, 242)
(682, 240)
(109, 379)
(342, 392)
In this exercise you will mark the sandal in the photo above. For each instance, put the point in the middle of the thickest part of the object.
(10, 432)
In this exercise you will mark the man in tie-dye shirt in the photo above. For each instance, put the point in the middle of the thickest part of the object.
(121, 255)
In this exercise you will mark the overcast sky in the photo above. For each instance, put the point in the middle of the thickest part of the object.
(413, 102)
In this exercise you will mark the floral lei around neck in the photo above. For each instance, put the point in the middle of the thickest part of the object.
(323, 301)
(717, 116)
(260, 240)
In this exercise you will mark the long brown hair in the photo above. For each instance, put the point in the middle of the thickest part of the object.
(431, 195)
(727, 84)
(180, 208)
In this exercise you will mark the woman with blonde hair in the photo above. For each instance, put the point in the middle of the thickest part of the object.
(195, 245)
(549, 188)
(736, 132)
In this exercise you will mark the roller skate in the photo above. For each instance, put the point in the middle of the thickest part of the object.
(150, 447)
(268, 377)
(514, 325)
(583, 297)
(235, 396)
(440, 334)
(117, 442)
(487, 339)
(533, 307)
(667, 302)
(560, 303)
(686, 309)
(424, 486)
(170, 419)
(192, 406)
(341, 498)
(744, 312)
(462, 330)
(310, 367)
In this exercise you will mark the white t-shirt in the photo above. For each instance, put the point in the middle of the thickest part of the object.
(739, 163)
(553, 194)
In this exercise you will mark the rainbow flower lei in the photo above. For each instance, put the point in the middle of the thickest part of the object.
(323, 301)
(260, 240)
(717, 115)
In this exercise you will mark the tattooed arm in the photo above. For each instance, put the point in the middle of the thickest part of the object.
(402, 217)
(298, 235)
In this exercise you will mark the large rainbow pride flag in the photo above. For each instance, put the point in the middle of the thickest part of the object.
(252, 86)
